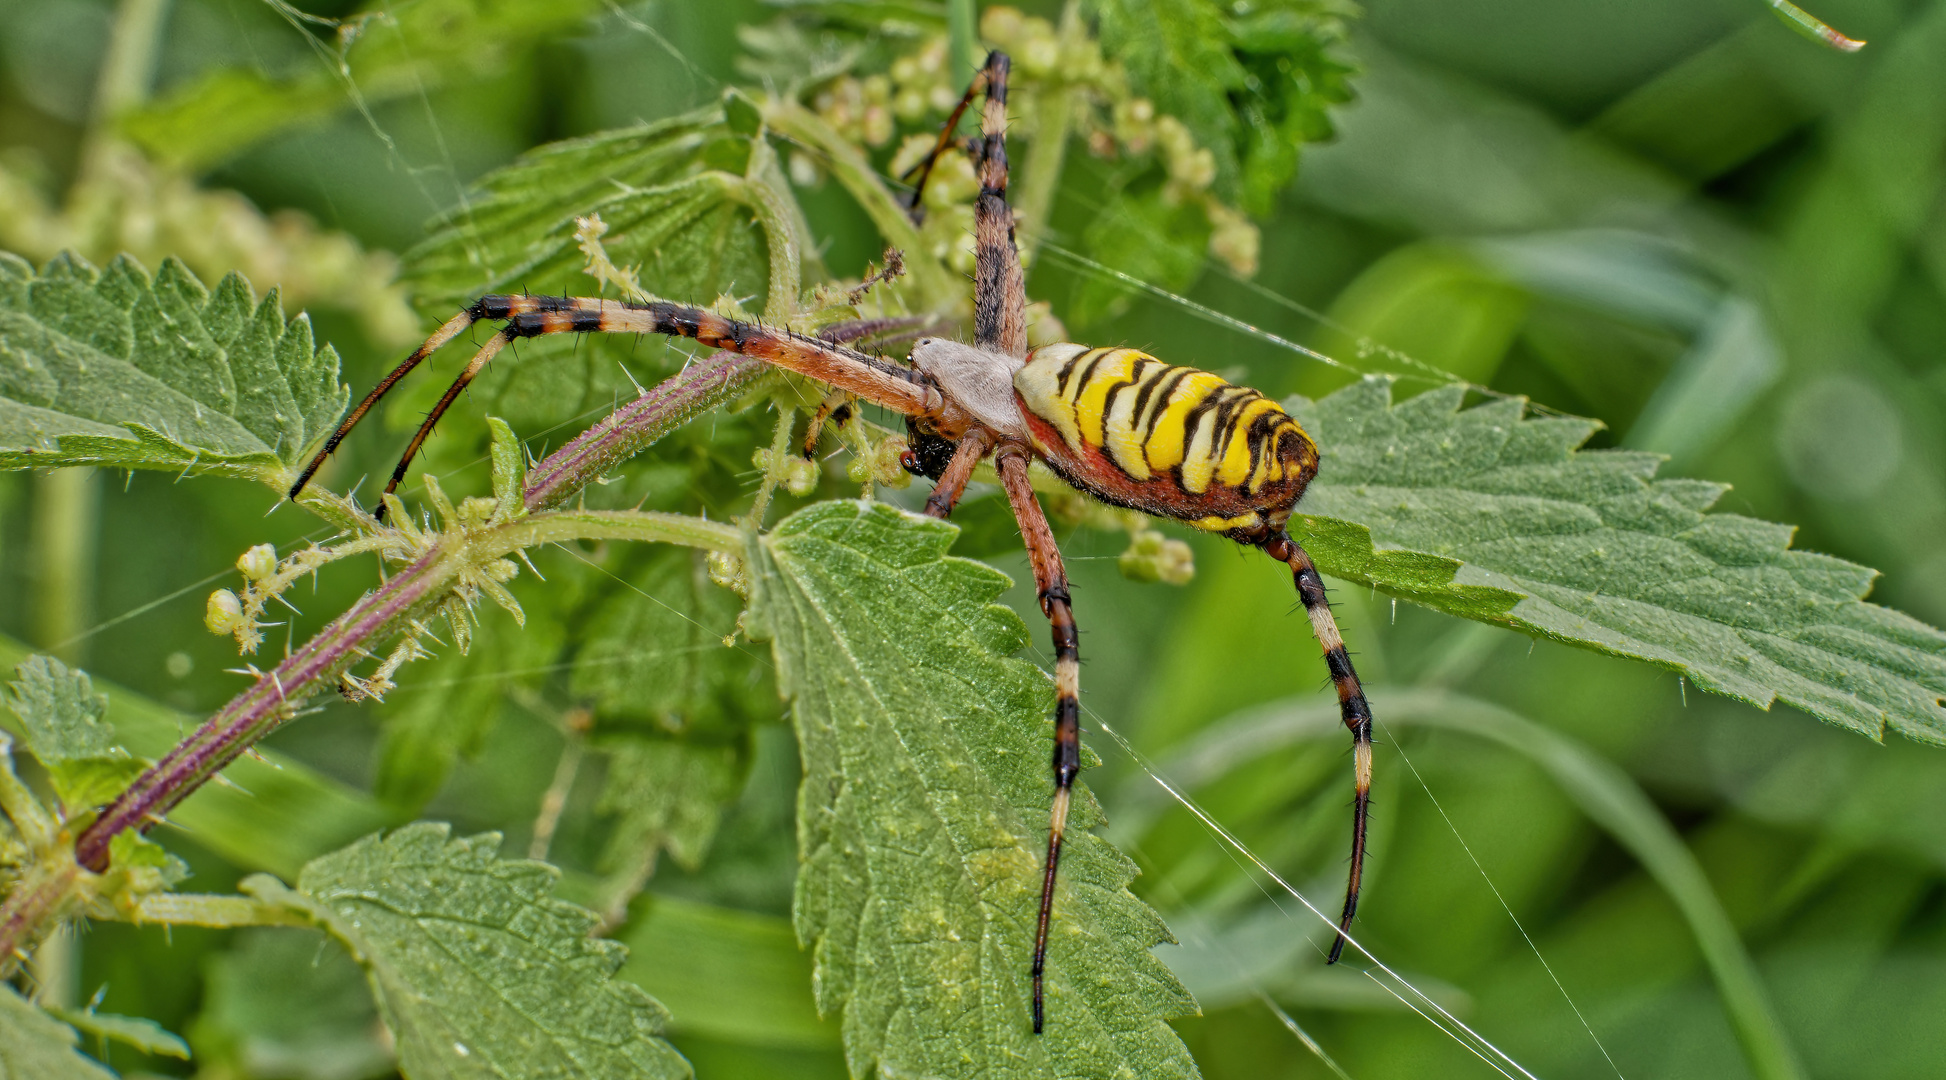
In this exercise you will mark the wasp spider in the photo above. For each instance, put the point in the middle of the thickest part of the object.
(1120, 425)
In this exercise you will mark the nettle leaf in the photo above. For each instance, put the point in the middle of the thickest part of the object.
(1146, 236)
(1496, 516)
(674, 702)
(35, 1046)
(112, 367)
(515, 233)
(1251, 82)
(65, 727)
(449, 706)
(478, 970)
(922, 819)
(666, 795)
(139, 1032)
(398, 48)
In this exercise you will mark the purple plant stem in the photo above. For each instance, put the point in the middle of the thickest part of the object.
(258, 711)
(700, 387)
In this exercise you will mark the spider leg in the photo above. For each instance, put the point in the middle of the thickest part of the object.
(1357, 713)
(973, 446)
(480, 359)
(878, 381)
(837, 408)
(1051, 581)
(453, 328)
(913, 207)
(999, 289)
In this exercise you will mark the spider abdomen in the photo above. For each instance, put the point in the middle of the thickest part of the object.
(1170, 441)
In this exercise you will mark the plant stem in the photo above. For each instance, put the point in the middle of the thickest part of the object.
(962, 41)
(937, 291)
(702, 386)
(66, 506)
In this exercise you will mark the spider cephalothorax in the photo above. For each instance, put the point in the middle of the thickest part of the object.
(1115, 423)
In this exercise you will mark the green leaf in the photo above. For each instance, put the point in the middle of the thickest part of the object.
(63, 720)
(648, 183)
(922, 818)
(141, 1033)
(1496, 516)
(478, 970)
(110, 367)
(666, 794)
(393, 49)
(1144, 236)
(35, 1046)
(288, 1003)
(1251, 82)
(448, 707)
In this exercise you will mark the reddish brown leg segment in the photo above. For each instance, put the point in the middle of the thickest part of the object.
(1357, 713)
(1051, 581)
(973, 446)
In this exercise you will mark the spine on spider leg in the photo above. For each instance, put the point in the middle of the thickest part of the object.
(1352, 706)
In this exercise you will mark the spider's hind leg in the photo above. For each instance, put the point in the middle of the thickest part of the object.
(1051, 582)
(1352, 707)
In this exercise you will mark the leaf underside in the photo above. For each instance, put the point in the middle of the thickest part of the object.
(1496, 516)
(922, 821)
(112, 367)
(478, 970)
(35, 1046)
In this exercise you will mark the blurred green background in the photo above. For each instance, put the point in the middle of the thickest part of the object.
(1722, 240)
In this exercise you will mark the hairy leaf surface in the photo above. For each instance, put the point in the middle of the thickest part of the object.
(35, 1046)
(67, 730)
(113, 367)
(1251, 82)
(516, 232)
(922, 819)
(1496, 516)
(478, 970)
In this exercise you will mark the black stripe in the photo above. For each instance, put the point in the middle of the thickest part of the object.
(1142, 396)
(1067, 369)
(491, 308)
(526, 324)
(585, 321)
(1163, 401)
(1084, 377)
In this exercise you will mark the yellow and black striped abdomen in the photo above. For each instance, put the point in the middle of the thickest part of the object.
(1171, 441)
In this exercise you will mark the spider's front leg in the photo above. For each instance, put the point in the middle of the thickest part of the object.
(1051, 584)
(868, 377)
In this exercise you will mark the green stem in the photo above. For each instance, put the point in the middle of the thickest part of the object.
(220, 912)
(937, 290)
(1052, 113)
(780, 448)
(962, 40)
(781, 240)
(67, 503)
